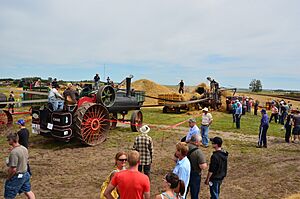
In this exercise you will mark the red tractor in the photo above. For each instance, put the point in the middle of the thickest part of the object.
(91, 118)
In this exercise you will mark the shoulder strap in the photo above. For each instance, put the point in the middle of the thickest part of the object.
(167, 196)
(191, 151)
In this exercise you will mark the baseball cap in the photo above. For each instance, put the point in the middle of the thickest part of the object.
(21, 122)
(216, 140)
(192, 120)
(263, 111)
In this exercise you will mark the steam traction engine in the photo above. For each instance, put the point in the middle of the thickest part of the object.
(91, 118)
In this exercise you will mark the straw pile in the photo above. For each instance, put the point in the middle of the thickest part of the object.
(151, 88)
(295, 196)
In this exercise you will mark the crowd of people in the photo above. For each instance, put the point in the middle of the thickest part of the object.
(190, 163)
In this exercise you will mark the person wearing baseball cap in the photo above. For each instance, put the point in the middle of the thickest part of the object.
(23, 133)
(263, 128)
(192, 131)
(217, 168)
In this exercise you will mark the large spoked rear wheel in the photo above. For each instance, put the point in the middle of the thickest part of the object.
(92, 123)
(106, 95)
(136, 121)
(6, 118)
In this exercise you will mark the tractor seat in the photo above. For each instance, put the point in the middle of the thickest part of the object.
(70, 107)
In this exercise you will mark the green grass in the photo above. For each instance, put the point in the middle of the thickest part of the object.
(249, 124)
(222, 122)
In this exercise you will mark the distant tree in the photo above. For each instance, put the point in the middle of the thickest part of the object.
(255, 85)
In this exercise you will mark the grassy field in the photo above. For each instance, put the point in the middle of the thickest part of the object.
(70, 170)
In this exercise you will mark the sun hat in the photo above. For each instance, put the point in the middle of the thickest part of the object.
(205, 109)
(145, 129)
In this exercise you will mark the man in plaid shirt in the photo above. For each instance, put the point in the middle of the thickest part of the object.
(144, 145)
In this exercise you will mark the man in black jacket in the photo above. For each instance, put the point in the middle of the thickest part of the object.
(217, 168)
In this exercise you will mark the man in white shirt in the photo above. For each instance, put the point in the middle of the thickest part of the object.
(56, 99)
(206, 122)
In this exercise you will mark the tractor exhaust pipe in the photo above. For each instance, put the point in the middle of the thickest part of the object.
(128, 86)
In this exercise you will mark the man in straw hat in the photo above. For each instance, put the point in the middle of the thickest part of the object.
(144, 145)
(206, 122)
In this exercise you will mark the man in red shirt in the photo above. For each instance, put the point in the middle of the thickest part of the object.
(131, 184)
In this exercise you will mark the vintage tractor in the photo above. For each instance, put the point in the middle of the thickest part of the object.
(91, 118)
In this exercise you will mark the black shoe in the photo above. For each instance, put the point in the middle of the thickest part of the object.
(258, 146)
(265, 146)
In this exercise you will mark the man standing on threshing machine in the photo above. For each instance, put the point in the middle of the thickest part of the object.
(97, 80)
(181, 87)
(56, 99)
(206, 122)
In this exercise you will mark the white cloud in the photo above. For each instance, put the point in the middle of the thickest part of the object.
(253, 36)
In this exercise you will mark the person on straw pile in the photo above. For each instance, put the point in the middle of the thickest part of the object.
(56, 99)
(144, 145)
(120, 163)
(193, 130)
(181, 87)
(183, 165)
(70, 94)
(198, 163)
(18, 178)
(173, 186)
(217, 168)
(206, 122)
(263, 128)
(131, 183)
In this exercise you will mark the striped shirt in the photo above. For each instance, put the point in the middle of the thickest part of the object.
(144, 145)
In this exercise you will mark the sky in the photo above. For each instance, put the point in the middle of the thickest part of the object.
(232, 41)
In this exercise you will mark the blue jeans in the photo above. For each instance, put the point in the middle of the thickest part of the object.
(195, 181)
(215, 189)
(238, 121)
(57, 104)
(204, 134)
(17, 185)
(146, 169)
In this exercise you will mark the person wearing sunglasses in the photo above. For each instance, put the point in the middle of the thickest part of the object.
(173, 186)
(120, 164)
(131, 183)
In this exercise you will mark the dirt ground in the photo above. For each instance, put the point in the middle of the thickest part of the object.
(72, 171)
